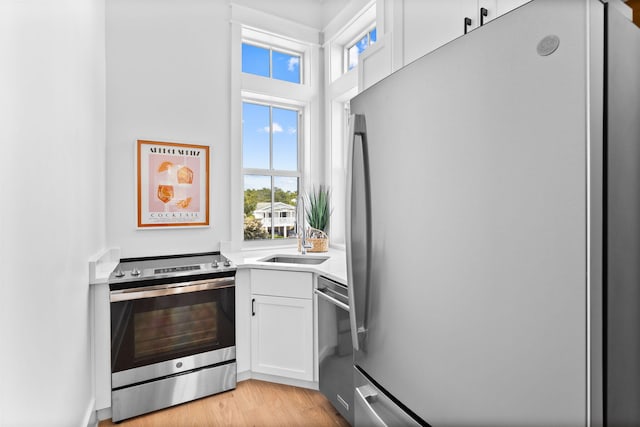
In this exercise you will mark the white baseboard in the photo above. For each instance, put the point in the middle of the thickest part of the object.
(89, 419)
(104, 414)
(313, 385)
(244, 375)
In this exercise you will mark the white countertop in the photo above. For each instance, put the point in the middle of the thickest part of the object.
(102, 264)
(334, 268)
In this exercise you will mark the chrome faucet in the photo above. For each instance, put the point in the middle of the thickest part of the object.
(303, 243)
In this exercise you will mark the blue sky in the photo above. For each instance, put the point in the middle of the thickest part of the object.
(259, 122)
(255, 60)
(255, 136)
(270, 134)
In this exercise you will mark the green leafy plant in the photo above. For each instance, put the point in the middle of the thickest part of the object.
(317, 208)
(253, 229)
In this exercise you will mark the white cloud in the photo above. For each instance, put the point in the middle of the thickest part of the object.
(292, 63)
(276, 128)
(292, 131)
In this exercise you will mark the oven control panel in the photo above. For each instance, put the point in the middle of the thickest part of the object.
(177, 269)
(150, 268)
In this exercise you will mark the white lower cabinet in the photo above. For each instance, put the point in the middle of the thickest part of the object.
(282, 324)
(282, 337)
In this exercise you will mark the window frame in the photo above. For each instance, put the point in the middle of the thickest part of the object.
(353, 42)
(248, 26)
(271, 172)
(273, 43)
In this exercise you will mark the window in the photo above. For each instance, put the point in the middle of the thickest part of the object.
(353, 50)
(271, 130)
(271, 63)
(271, 171)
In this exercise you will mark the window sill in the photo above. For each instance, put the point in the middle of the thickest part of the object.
(268, 244)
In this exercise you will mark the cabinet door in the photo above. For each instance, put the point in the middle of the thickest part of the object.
(428, 25)
(282, 337)
(495, 8)
(504, 6)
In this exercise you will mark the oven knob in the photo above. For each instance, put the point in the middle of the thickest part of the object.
(135, 272)
(227, 263)
(119, 273)
(214, 264)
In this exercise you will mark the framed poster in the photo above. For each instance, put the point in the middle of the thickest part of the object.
(173, 184)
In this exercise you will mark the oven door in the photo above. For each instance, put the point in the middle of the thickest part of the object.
(168, 329)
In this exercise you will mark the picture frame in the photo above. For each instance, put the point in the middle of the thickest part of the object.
(172, 184)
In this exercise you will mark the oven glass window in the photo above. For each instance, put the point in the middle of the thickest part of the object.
(175, 329)
(150, 330)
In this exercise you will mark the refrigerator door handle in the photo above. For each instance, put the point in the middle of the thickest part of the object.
(358, 281)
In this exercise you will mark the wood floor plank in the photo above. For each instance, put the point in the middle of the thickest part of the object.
(253, 403)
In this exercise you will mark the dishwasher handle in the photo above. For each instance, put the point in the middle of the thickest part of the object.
(331, 299)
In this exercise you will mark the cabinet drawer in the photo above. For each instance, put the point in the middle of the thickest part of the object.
(292, 284)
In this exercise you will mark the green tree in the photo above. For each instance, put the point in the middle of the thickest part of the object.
(288, 197)
(263, 195)
(253, 229)
(253, 196)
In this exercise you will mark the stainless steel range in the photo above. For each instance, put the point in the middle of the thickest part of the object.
(172, 331)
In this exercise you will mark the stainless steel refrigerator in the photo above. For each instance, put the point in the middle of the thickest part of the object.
(493, 203)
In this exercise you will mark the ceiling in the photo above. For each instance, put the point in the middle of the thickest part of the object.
(312, 13)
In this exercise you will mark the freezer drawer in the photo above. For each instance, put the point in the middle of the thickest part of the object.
(374, 408)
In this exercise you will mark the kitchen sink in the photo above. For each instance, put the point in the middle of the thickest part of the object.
(295, 259)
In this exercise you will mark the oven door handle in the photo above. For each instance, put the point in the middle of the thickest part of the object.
(172, 289)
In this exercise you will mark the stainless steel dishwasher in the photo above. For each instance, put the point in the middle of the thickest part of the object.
(335, 351)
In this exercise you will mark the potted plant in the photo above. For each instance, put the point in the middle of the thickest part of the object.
(317, 212)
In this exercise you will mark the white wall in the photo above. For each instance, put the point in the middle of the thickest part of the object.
(52, 127)
(167, 80)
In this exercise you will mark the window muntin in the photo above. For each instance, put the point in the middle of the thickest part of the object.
(354, 49)
(271, 173)
(272, 63)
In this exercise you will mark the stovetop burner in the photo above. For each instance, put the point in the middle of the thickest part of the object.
(169, 267)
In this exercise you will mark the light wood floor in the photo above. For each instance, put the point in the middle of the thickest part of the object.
(252, 403)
